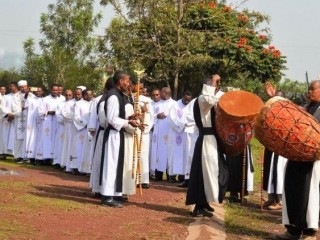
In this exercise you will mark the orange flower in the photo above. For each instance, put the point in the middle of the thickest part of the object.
(262, 37)
(271, 47)
(243, 41)
(249, 48)
(243, 18)
(276, 53)
(266, 51)
(212, 5)
(227, 8)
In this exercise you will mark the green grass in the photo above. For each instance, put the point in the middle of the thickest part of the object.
(10, 228)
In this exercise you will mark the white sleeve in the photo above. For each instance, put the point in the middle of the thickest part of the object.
(113, 114)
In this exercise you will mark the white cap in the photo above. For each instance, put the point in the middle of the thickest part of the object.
(82, 88)
(22, 83)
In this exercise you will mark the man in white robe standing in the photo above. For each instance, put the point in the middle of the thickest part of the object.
(163, 123)
(80, 121)
(177, 137)
(67, 112)
(98, 106)
(209, 172)
(7, 125)
(19, 116)
(46, 139)
(113, 153)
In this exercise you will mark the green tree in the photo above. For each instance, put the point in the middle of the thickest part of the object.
(181, 41)
(68, 50)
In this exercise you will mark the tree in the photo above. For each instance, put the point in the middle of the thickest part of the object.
(181, 41)
(69, 49)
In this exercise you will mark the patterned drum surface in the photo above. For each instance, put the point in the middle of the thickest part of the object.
(288, 130)
(235, 118)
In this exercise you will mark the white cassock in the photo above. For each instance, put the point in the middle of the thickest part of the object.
(129, 182)
(163, 135)
(67, 111)
(20, 123)
(80, 120)
(145, 143)
(87, 153)
(154, 136)
(31, 132)
(58, 142)
(177, 138)
(191, 135)
(46, 138)
(7, 127)
(112, 146)
(282, 161)
(96, 161)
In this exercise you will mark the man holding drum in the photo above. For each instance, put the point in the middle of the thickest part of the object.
(300, 213)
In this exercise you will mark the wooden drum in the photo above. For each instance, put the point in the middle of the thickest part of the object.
(288, 130)
(235, 118)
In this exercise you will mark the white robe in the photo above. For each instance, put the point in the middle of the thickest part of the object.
(154, 137)
(58, 142)
(129, 182)
(177, 137)
(20, 123)
(96, 161)
(163, 136)
(112, 146)
(32, 127)
(280, 174)
(210, 166)
(191, 135)
(87, 153)
(80, 120)
(67, 111)
(46, 138)
(6, 126)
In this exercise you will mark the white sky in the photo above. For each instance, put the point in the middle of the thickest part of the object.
(294, 26)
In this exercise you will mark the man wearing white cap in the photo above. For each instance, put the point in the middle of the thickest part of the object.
(19, 114)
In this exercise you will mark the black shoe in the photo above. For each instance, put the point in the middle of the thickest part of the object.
(19, 160)
(97, 195)
(181, 178)
(172, 179)
(110, 202)
(184, 184)
(197, 212)
(158, 175)
(208, 208)
(122, 199)
(145, 185)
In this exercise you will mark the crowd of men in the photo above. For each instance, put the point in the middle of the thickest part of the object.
(123, 137)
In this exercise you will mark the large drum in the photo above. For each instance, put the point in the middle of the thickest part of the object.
(288, 130)
(235, 118)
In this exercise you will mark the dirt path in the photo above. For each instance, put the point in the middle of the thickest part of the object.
(45, 203)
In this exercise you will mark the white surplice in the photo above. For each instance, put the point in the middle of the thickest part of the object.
(67, 111)
(161, 163)
(177, 138)
(80, 120)
(96, 161)
(112, 146)
(7, 127)
(87, 152)
(48, 128)
(59, 139)
(191, 135)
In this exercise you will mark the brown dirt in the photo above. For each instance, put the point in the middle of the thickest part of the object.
(45, 203)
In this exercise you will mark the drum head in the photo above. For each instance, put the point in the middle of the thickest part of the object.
(240, 105)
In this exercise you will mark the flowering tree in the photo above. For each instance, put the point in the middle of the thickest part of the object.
(182, 41)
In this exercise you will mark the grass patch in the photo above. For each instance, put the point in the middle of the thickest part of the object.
(10, 229)
(35, 202)
(15, 185)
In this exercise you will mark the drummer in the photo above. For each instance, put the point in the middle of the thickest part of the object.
(206, 182)
(300, 213)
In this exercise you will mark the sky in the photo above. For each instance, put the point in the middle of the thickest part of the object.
(294, 26)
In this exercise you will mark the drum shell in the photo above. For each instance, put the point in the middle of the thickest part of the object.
(288, 130)
(235, 118)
